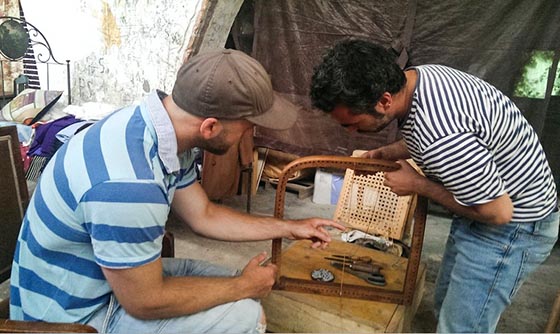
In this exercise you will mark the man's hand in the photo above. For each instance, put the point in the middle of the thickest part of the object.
(257, 278)
(404, 180)
(373, 154)
(313, 229)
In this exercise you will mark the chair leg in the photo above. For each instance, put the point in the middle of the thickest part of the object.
(5, 308)
(554, 316)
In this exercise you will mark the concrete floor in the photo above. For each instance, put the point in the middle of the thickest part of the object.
(528, 313)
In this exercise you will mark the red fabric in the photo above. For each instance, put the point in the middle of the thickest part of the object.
(26, 159)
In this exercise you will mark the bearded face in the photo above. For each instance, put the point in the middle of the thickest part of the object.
(230, 135)
(362, 122)
(218, 145)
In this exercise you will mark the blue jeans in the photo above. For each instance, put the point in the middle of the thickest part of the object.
(242, 316)
(484, 266)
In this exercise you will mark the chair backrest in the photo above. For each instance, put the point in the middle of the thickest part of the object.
(13, 197)
(366, 204)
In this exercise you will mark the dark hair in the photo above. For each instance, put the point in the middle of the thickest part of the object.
(355, 73)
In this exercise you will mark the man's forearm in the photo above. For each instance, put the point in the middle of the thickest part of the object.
(188, 295)
(180, 296)
(223, 223)
(146, 294)
(395, 151)
(498, 211)
(211, 220)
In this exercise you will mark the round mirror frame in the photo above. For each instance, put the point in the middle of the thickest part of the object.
(14, 39)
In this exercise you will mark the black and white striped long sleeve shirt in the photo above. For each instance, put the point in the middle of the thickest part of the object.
(469, 136)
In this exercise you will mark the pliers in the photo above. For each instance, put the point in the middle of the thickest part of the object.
(372, 278)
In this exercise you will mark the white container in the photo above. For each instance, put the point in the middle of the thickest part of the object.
(327, 186)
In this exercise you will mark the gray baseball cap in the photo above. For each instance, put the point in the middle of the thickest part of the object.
(228, 84)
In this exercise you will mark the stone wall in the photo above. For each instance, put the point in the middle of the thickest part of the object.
(119, 49)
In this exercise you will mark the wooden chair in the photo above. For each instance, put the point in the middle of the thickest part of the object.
(14, 198)
(365, 203)
(347, 303)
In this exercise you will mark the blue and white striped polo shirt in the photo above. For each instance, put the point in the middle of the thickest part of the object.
(102, 200)
(466, 134)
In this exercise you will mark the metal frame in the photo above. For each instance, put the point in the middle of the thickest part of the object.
(44, 54)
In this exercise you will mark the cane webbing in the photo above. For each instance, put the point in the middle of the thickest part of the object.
(367, 205)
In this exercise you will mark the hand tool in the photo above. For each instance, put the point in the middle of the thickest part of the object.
(355, 264)
(363, 259)
(368, 268)
(374, 279)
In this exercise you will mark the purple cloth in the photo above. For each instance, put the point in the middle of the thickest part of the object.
(45, 143)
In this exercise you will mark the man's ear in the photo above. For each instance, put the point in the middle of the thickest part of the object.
(210, 128)
(384, 103)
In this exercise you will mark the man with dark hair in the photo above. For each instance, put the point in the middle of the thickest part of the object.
(482, 161)
(90, 243)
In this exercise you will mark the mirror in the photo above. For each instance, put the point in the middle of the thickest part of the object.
(14, 39)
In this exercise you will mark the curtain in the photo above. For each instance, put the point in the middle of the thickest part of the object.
(493, 40)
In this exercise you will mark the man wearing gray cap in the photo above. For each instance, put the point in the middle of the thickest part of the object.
(90, 243)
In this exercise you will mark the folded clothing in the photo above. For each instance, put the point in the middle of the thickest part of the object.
(45, 142)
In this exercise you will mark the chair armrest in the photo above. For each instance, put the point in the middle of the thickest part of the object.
(13, 326)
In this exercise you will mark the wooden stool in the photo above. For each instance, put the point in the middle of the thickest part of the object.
(293, 312)
(289, 311)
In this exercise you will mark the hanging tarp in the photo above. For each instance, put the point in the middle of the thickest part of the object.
(503, 42)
